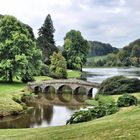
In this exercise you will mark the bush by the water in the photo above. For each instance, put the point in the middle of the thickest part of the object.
(90, 113)
(127, 100)
(119, 85)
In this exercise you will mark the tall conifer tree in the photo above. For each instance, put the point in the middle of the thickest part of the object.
(46, 39)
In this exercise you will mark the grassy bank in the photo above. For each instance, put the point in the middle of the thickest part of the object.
(124, 125)
(74, 74)
(7, 104)
(108, 98)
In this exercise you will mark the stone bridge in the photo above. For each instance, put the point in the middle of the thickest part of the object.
(73, 84)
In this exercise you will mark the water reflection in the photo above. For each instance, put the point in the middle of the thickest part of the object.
(44, 114)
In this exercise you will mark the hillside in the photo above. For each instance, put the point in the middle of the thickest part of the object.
(127, 56)
(130, 55)
(100, 49)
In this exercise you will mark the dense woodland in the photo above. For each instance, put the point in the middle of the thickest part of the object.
(99, 49)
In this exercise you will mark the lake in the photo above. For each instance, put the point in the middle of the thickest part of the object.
(99, 74)
(54, 110)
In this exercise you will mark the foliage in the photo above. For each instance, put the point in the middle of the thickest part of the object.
(80, 116)
(44, 70)
(58, 68)
(18, 53)
(27, 78)
(75, 50)
(128, 56)
(45, 40)
(101, 109)
(100, 49)
(127, 100)
(119, 85)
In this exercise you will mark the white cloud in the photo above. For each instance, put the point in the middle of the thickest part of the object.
(114, 21)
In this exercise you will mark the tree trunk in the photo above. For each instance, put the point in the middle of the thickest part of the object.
(10, 80)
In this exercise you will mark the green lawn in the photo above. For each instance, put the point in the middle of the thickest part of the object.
(74, 74)
(124, 125)
(7, 88)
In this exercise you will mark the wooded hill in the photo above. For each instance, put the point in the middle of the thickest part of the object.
(99, 49)
(127, 56)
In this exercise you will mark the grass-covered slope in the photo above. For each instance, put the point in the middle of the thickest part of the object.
(124, 125)
(7, 104)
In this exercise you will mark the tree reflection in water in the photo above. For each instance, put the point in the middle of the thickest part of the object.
(44, 115)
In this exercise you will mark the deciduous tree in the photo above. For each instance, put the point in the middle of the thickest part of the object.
(75, 50)
(19, 56)
(58, 67)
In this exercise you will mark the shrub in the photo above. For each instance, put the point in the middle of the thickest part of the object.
(127, 100)
(94, 112)
(58, 66)
(119, 85)
(80, 116)
(27, 78)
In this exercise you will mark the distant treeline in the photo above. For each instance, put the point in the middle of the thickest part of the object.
(100, 49)
(127, 56)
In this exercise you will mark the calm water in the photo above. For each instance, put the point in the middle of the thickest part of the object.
(99, 74)
(49, 110)
(56, 110)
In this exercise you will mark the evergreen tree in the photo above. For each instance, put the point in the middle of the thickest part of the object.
(46, 39)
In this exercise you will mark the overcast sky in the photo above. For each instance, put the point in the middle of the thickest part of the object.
(113, 21)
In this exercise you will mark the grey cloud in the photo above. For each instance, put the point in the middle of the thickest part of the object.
(112, 21)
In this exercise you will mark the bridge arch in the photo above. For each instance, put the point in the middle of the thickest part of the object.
(64, 93)
(49, 89)
(37, 89)
(64, 88)
(90, 92)
(80, 90)
(80, 94)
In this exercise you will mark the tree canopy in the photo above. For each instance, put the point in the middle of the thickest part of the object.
(75, 49)
(19, 56)
(46, 38)
(98, 49)
(58, 67)
(127, 56)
